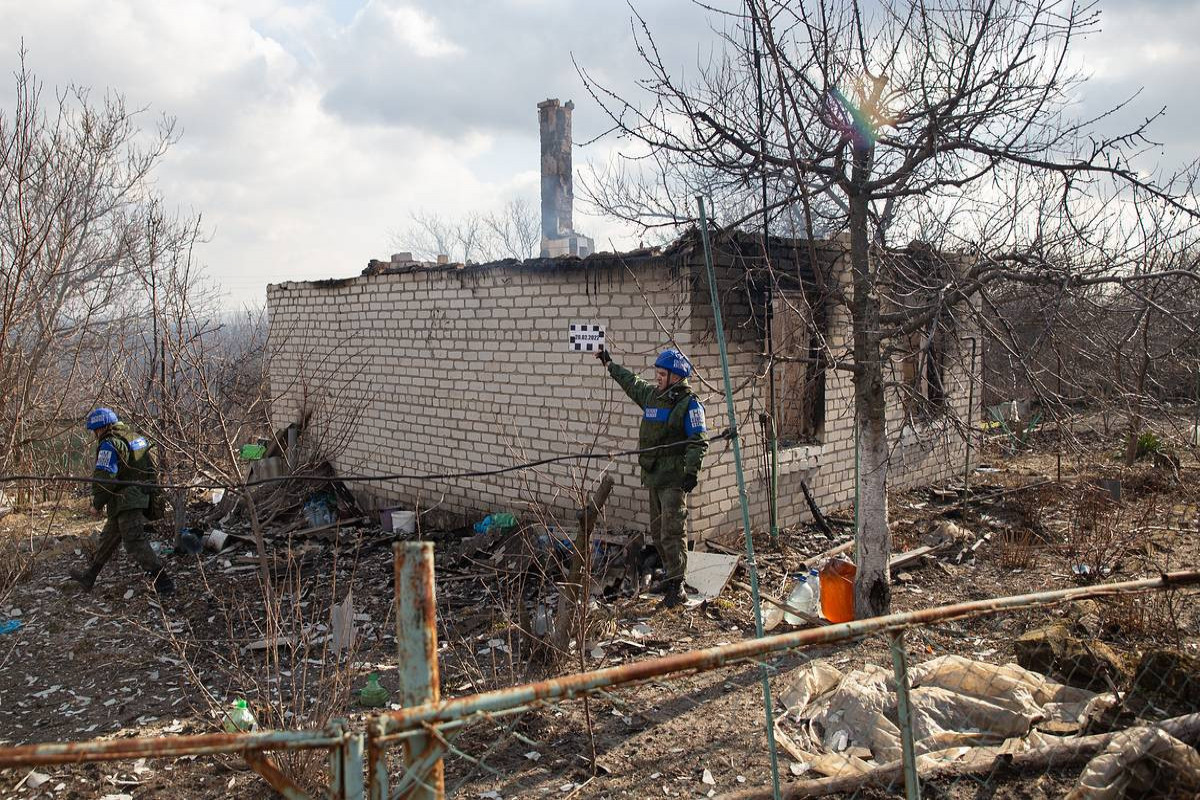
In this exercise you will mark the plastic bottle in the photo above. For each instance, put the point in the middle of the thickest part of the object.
(239, 718)
(800, 599)
(373, 695)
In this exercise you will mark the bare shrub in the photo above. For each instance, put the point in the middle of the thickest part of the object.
(1018, 548)
(277, 652)
(1152, 617)
(1102, 533)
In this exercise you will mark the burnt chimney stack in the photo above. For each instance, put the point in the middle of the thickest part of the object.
(558, 231)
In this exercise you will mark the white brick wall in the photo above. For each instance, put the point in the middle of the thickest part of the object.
(435, 371)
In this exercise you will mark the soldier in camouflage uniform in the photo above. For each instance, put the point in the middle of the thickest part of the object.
(672, 416)
(122, 455)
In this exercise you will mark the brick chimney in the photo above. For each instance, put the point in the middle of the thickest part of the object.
(558, 231)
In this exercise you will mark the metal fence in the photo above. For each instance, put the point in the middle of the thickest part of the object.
(890, 724)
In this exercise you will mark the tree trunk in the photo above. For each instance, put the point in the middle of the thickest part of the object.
(872, 591)
(1135, 411)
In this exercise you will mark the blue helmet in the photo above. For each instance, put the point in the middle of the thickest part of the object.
(101, 418)
(674, 361)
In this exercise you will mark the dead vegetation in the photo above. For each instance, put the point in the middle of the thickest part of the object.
(299, 658)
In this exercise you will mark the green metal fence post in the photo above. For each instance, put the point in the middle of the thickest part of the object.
(912, 787)
(337, 728)
(416, 639)
(751, 565)
(377, 771)
(352, 767)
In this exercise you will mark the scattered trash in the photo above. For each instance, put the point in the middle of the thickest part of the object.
(709, 573)
(239, 718)
(707, 778)
(10, 626)
(317, 511)
(1140, 762)
(541, 620)
(35, 779)
(502, 522)
(215, 540)
(373, 695)
(404, 521)
(803, 599)
(252, 452)
(837, 590)
(188, 543)
(343, 625)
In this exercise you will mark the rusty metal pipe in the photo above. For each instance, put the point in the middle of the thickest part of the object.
(570, 686)
(163, 747)
(416, 641)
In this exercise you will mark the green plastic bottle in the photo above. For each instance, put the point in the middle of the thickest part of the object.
(239, 718)
(373, 695)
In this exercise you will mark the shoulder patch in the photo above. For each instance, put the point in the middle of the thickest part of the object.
(106, 458)
(695, 418)
(139, 443)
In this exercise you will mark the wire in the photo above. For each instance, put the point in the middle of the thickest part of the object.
(356, 478)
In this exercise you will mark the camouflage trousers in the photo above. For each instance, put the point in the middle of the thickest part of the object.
(128, 528)
(668, 529)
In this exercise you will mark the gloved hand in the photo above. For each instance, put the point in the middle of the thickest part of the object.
(688, 483)
(604, 357)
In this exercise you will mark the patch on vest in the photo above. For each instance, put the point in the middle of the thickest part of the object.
(106, 458)
(658, 414)
(695, 418)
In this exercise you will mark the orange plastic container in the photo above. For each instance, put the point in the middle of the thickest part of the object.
(837, 590)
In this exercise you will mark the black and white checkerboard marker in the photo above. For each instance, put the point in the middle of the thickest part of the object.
(585, 338)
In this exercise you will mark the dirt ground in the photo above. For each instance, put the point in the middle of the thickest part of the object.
(118, 663)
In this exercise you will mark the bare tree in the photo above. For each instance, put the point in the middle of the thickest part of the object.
(75, 198)
(512, 232)
(888, 120)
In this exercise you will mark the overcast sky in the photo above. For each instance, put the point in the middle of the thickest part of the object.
(311, 130)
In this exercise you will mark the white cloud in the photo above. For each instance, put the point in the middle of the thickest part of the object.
(312, 129)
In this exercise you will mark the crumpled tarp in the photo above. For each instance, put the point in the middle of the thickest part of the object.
(1138, 761)
(957, 704)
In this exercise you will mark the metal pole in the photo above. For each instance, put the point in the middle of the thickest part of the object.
(377, 771)
(774, 478)
(352, 767)
(751, 565)
(912, 786)
(416, 640)
(970, 432)
(337, 760)
(574, 685)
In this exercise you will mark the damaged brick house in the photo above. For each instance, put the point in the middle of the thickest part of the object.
(417, 368)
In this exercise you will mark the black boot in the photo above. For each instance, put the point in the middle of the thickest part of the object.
(163, 583)
(86, 578)
(673, 595)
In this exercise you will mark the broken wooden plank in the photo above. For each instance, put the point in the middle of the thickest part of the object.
(901, 559)
(830, 553)
(341, 523)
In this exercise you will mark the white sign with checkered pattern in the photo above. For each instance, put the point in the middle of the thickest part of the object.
(584, 337)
